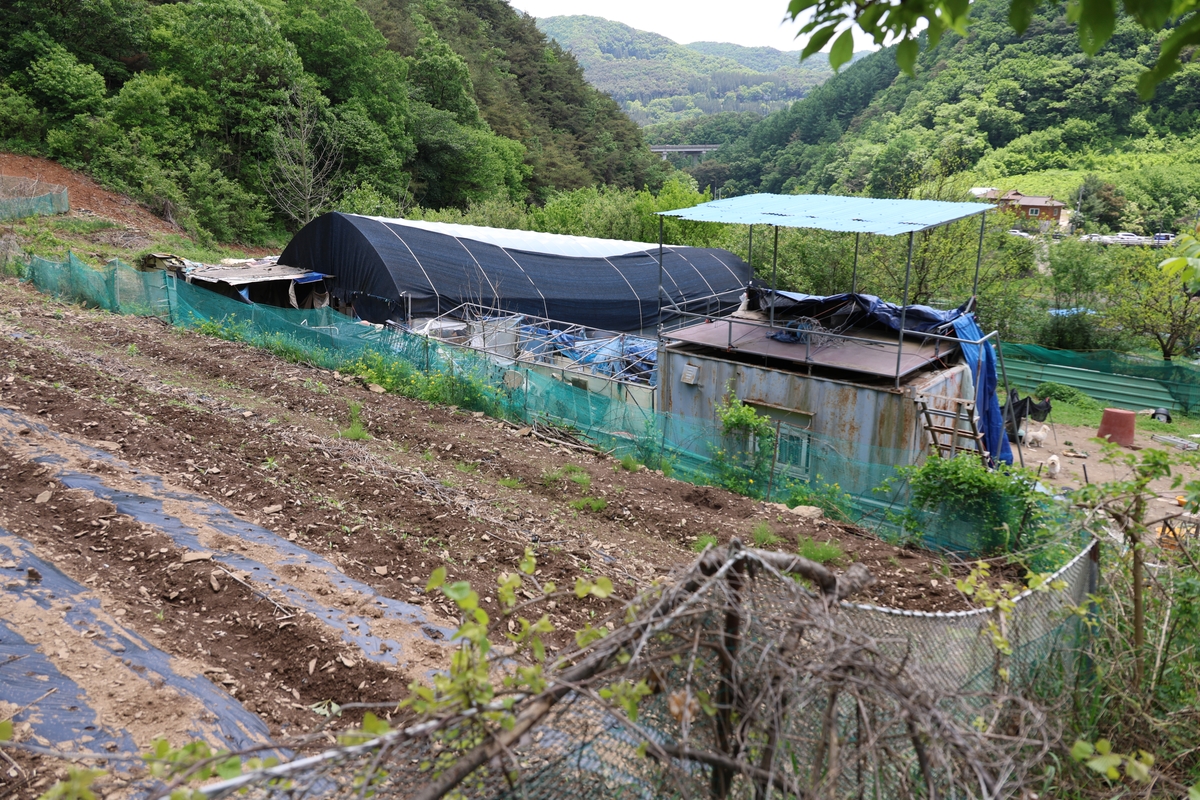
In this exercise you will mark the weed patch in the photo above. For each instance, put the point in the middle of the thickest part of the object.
(705, 541)
(820, 552)
(763, 535)
(355, 432)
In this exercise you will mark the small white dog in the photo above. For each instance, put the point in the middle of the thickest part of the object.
(1052, 466)
(1037, 438)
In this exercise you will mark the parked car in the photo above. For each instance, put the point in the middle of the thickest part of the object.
(1022, 234)
(1164, 237)
(1126, 236)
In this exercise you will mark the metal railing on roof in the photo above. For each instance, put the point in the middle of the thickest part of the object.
(617, 357)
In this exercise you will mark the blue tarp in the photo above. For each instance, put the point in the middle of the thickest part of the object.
(982, 361)
(854, 310)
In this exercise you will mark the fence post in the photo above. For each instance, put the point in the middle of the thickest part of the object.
(774, 461)
(1093, 580)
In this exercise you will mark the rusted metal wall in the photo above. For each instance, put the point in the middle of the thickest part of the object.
(858, 426)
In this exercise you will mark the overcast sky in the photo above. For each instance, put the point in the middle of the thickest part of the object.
(753, 23)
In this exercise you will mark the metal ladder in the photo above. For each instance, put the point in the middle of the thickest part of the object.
(968, 439)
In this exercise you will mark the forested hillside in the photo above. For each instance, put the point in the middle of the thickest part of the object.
(657, 80)
(1030, 112)
(237, 118)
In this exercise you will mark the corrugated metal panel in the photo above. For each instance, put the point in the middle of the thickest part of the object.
(1119, 391)
(870, 429)
(831, 212)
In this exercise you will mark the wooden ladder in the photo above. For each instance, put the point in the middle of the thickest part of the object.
(963, 439)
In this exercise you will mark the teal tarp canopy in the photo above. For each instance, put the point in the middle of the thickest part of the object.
(832, 213)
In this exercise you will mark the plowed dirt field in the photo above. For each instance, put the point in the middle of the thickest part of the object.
(189, 548)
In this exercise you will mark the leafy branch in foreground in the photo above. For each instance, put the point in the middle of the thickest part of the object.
(901, 21)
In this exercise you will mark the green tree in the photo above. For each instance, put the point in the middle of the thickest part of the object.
(1098, 205)
(235, 53)
(63, 86)
(1151, 302)
(903, 20)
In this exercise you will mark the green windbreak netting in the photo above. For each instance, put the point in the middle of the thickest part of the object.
(114, 287)
(797, 467)
(25, 197)
(1181, 380)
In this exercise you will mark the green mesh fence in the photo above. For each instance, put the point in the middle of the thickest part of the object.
(1181, 380)
(25, 197)
(115, 287)
(801, 468)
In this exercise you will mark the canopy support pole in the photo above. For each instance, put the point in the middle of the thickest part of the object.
(660, 270)
(904, 307)
(750, 251)
(854, 275)
(774, 265)
(979, 253)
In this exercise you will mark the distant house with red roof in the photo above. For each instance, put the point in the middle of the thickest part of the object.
(1031, 207)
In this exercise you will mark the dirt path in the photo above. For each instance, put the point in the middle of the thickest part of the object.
(200, 497)
(1088, 465)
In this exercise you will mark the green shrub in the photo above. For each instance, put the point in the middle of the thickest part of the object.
(398, 377)
(1001, 506)
(1065, 394)
(743, 461)
(705, 541)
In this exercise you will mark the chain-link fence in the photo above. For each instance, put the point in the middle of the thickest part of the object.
(835, 723)
(26, 197)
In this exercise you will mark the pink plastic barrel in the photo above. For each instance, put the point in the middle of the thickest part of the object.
(1117, 426)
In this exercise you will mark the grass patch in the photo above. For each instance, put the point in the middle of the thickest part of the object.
(552, 477)
(705, 541)
(355, 432)
(593, 504)
(820, 552)
(510, 483)
(628, 463)
(464, 467)
(427, 455)
(80, 227)
(763, 535)
(583, 479)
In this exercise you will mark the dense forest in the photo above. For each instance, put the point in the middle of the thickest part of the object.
(1030, 112)
(657, 80)
(237, 118)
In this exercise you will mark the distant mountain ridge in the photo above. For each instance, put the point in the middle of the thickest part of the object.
(656, 79)
(993, 108)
